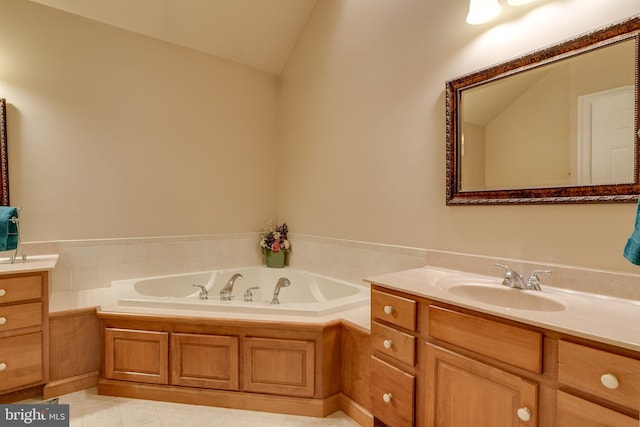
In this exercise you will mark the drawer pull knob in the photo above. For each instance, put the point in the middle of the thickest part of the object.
(387, 343)
(524, 414)
(610, 381)
(3, 320)
(387, 397)
(3, 366)
(388, 309)
(2, 292)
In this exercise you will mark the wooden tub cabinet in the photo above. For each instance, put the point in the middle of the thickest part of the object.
(291, 368)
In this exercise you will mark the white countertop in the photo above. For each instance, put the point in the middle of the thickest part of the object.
(599, 318)
(32, 263)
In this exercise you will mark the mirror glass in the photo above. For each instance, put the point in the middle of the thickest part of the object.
(558, 125)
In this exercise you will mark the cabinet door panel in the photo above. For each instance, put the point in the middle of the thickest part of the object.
(204, 361)
(464, 392)
(140, 356)
(20, 361)
(279, 366)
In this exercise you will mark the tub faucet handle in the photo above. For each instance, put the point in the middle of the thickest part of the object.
(203, 294)
(248, 295)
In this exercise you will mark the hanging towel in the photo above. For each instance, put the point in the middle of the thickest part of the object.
(8, 228)
(632, 250)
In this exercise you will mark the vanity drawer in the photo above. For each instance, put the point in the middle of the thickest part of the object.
(20, 361)
(20, 316)
(392, 394)
(588, 369)
(394, 309)
(393, 343)
(573, 411)
(510, 344)
(20, 288)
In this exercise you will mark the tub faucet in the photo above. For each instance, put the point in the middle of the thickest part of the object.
(225, 293)
(203, 294)
(283, 282)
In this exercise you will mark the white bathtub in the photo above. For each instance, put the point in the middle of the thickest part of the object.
(308, 295)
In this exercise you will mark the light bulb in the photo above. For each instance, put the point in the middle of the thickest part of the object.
(481, 11)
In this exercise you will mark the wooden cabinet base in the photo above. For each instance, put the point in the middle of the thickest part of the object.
(223, 399)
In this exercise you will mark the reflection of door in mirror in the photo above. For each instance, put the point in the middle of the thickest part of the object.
(605, 137)
(522, 131)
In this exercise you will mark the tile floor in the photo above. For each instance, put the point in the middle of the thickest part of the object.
(88, 409)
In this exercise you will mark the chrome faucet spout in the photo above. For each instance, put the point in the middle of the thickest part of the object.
(225, 292)
(515, 280)
(283, 282)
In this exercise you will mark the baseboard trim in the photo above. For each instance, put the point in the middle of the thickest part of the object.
(70, 385)
(355, 411)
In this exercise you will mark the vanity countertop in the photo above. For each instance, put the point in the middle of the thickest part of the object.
(599, 318)
(32, 263)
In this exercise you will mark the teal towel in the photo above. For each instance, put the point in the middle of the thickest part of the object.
(8, 229)
(632, 250)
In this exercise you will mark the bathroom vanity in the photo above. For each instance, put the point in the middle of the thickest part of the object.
(441, 359)
(24, 324)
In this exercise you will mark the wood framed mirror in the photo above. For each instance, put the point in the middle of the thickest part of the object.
(4, 157)
(559, 125)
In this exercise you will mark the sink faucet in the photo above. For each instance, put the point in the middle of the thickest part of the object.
(283, 282)
(514, 279)
(225, 292)
(203, 294)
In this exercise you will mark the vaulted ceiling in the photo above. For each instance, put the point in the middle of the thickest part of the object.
(257, 33)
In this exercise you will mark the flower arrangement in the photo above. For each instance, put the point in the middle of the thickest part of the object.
(274, 238)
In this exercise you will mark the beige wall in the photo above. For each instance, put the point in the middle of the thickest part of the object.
(112, 134)
(363, 116)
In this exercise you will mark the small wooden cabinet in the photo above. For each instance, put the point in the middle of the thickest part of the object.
(24, 330)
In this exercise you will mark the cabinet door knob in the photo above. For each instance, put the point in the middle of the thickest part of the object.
(3, 366)
(386, 343)
(388, 309)
(610, 381)
(387, 397)
(524, 414)
(3, 320)
(2, 292)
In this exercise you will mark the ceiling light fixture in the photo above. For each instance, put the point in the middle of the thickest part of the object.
(481, 11)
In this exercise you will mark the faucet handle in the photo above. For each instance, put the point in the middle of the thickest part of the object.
(203, 294)
(248, 295)
(509, 275)
(534, 281)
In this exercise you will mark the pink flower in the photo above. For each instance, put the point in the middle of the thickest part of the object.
(275, 247)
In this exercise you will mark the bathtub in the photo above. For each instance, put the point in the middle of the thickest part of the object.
(308, 295)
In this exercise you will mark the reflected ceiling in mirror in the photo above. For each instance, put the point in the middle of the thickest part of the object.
(554, 126)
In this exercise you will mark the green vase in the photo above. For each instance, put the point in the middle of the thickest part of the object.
(274, 259)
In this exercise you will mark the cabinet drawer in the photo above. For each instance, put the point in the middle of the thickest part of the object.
(394, 309)
(392, 394)
(586, 368)
(20, 288)
(20, 316)
(510, 344)
(393, 343)
(20, 361)
(573, 411)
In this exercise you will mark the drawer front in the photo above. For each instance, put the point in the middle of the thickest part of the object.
(20, 361)
(510, 344)
(588, 369)
(394, 309)
(573, 411)
(393, 343)
(20, 288)
(20, 316)
(392, 394)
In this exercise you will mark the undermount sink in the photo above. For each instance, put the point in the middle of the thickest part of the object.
(505, 297)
